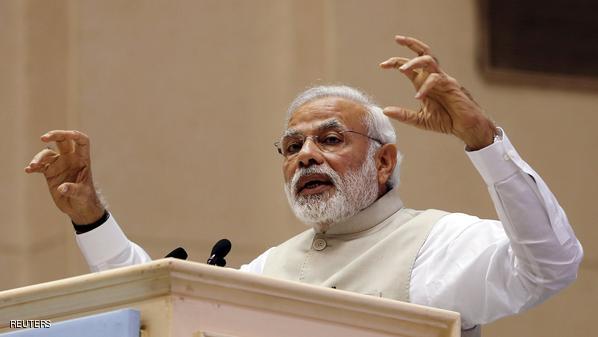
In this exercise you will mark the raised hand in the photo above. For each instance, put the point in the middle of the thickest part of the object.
(68, 174)
(445, 105)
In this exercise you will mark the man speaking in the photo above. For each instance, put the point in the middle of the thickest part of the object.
(341, 172)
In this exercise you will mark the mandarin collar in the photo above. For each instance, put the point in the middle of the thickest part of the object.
(370, 216)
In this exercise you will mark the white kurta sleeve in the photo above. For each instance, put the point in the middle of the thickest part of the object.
(107, 247)
(487, 269)
(257, 265)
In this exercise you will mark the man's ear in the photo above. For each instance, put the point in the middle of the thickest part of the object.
(386, 160)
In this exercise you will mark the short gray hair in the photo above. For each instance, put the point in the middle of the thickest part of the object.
(377, 123)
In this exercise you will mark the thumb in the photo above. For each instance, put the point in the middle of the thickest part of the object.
(402, 115)
(69, 189)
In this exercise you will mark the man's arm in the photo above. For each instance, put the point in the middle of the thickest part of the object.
(68, 173)
(107, 247)
(485, 269)
(488, 269)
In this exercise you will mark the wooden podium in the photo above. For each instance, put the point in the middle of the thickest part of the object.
(186, 299)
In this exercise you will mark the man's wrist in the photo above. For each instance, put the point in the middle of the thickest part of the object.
(84, 228)
(496, 162)
(482, 139)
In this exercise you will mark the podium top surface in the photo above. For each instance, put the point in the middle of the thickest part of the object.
(184, 279)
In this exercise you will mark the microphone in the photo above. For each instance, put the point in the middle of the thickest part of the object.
(221, 248)
(178, 253)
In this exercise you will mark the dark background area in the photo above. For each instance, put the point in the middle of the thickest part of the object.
(556, 37)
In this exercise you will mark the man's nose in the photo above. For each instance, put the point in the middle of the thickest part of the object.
(310, 154)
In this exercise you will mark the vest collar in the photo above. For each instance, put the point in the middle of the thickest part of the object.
(370, 216)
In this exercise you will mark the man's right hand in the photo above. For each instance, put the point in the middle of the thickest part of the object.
(68, 174)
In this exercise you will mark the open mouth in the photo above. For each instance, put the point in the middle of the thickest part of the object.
(314, 183)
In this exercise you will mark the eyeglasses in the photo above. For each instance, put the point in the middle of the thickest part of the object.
(330, 141)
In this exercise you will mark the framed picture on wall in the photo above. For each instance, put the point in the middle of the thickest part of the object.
(537, 41)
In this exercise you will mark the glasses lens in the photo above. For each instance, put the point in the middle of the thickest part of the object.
(328, 142)
(331, 142)
(291, 145)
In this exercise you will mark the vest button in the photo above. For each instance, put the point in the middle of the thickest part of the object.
(319, 244)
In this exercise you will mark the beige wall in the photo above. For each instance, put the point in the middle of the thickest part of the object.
(183, 100)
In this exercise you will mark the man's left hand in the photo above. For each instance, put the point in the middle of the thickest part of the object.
(445, 105)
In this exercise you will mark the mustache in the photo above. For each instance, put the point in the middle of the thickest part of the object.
(317, 169)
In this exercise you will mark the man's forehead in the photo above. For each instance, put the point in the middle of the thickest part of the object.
(328, 112)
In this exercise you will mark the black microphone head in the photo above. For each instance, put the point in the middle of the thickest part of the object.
(221, 248)
(178, 253)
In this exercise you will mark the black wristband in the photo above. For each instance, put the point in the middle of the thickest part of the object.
(80, 229)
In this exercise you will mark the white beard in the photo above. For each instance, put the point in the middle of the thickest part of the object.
(354, 191)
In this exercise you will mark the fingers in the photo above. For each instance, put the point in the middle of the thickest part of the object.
(82, 144)
(60, 169)
(414, 44)
(394, 62)
(397, 63)
(67, 140)
(63, 140)
(41, 161)
(419, 70)
(426, 62)
(60, 181)
(403, 115)
(81, 188)
(428, 85)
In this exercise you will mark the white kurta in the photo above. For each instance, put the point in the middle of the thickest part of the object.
(484, 269)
